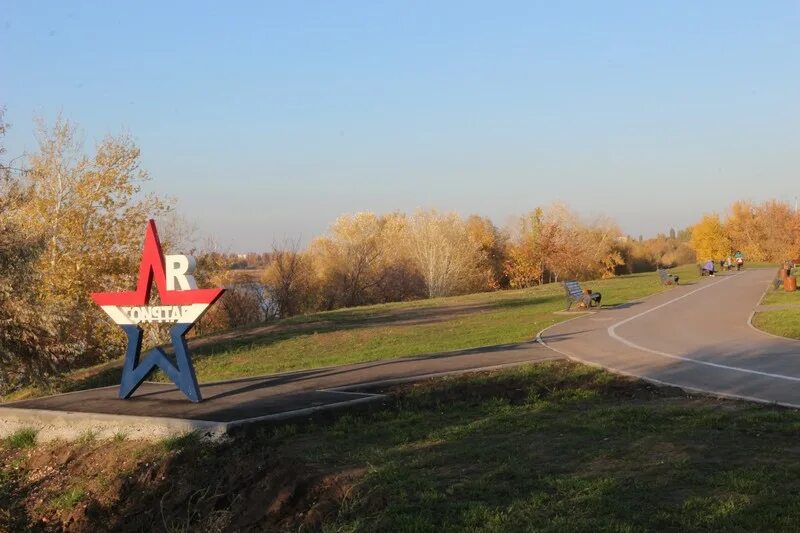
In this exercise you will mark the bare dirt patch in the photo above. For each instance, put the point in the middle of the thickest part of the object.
(133, 486)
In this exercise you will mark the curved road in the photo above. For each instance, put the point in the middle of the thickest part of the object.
(696, 337)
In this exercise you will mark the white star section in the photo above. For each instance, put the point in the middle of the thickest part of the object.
(132, 315)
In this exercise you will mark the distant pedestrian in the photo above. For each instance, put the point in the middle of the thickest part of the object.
(739, 257)
(709, 268)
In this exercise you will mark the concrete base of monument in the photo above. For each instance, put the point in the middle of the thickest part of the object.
(97, 412)
(159, 410)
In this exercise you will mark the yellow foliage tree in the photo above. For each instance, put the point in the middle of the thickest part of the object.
(555, 243)
(492, 245)
(764, 232)
(365, 258)
(709, 239)
(443, 251)
(90, 213)
(745, 229)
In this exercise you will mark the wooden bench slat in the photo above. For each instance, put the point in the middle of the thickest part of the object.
(574, 292)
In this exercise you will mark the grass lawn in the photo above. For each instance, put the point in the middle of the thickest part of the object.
(785, 322)
(781, 297)
(554, 447)
(405, 329)
(377, 332)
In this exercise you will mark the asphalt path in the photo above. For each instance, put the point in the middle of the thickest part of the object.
(281, 396)
(697, 337)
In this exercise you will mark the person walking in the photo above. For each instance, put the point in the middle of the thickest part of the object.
(739, 256)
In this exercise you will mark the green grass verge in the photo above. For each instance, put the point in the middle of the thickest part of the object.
(785, 322)
(370, 333)
(781, 297)
(551, 447)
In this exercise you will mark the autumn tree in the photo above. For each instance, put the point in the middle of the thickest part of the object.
(764, 232)
(243, 304)
(400, 278)
(709, 239)
(30, 349)
(360, 261)
(769, 231)
(603, 248)
(554, 243)
(659, 251)
(492, 244)
(780, 224)
(745, 231)
(90, 211)
(526, 259)
(347, 259)
(582, 250)
(443, 251)
(289, 279)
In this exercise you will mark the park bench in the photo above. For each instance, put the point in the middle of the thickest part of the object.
(701, 269)
(575, 294)
(667, 278)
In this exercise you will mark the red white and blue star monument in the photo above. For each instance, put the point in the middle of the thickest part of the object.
(182, 303)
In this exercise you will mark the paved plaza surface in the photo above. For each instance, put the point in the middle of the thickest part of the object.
(697, 337)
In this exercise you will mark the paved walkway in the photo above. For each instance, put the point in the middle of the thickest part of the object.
(158, 408)
(695, 337)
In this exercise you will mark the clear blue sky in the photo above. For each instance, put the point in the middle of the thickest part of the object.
(269, 119)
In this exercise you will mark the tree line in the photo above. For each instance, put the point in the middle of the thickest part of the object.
(72, 219)
(763, 232)
(366, 258)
